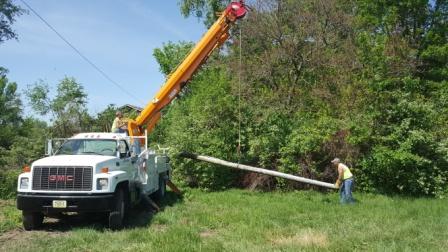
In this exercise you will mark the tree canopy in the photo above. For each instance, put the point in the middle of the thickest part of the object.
(67, 109)
(8, 14)
(362, 80)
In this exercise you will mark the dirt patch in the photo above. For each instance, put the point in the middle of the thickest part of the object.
(305, 238)
(51, 228)
(6, 203)
(207, 233)
(10, 235)
(254, 181)
(13, 238)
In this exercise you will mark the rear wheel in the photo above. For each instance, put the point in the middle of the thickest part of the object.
(116, 217)
(32, 220)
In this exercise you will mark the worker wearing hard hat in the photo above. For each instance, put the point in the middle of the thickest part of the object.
(120, 124)
(345, 182)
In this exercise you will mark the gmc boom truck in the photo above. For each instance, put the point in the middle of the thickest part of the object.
(110, 172)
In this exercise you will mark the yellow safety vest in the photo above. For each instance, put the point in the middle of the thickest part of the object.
(347, 173)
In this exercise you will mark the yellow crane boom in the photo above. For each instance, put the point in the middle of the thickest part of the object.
(212, 39)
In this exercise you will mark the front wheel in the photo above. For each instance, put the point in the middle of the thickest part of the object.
(116, 217)
(32, 220)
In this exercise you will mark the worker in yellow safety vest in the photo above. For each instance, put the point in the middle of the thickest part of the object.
(120, 124)
(345, 182)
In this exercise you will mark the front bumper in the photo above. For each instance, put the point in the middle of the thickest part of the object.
(75, 202)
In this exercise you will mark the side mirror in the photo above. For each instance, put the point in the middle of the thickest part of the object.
(49, 148)
(135, 148)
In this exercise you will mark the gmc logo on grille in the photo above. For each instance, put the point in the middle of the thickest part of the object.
(57, 178)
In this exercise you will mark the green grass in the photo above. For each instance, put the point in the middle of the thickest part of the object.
(238, 220)
(10, 217)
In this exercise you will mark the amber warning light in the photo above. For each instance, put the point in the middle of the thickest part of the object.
(26, 168)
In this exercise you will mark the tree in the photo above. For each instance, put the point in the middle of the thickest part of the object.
(171, 55)
(21, 140)
(206, 9)
(104, 119)
(403, 51)
(8, 14)
(362, 80)
(28, 145)
(11, 107)
(67, 109)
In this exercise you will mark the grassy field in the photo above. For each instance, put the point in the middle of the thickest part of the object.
(238, 220)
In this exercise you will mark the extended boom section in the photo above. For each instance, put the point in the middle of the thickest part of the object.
(213, 38)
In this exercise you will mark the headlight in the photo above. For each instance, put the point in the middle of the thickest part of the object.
(102, 184)
(24, 183)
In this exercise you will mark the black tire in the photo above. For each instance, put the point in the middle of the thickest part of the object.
(116, 217)
(32, 220)
(159, 194)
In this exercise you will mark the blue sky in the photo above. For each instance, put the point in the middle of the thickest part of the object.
(119, 36)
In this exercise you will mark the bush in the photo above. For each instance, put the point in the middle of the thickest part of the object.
(419, 166)
(8, 183)
(205, 124)
(305, 150)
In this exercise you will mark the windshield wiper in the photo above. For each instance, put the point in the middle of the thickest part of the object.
(91, 152)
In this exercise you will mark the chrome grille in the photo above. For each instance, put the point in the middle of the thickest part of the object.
(62, 178)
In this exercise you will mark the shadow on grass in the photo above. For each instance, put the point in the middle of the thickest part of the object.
(139, 216)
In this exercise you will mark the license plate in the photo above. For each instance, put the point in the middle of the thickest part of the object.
(59, 203)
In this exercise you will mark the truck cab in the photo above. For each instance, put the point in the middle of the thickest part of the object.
(92, 172)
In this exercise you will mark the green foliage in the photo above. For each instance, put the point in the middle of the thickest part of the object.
(67, 109)
(305, 146)
(201, 120)
(104, 119)
(364, 81)
(38, 96)
(10, 107)
(28, 144)
(171, 55)
(8, 183)
(8, 13)
(405, 65)
(267, 137)
(204, 123)
(21, 140)
(206, 9)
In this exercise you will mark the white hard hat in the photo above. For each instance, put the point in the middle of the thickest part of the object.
(335, 161)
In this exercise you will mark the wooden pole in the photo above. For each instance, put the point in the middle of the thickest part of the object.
(256, 169)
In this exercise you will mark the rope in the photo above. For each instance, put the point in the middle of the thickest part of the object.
(239, 97)
(97, 68)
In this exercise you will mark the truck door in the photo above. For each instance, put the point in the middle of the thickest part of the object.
(125, 157)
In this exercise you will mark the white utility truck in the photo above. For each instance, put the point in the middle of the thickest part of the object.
(106, 172)
(91, 172)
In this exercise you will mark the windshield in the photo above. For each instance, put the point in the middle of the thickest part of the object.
(88, 147)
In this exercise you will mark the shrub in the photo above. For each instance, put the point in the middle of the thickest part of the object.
(8, 183)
